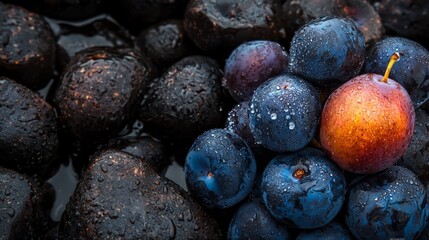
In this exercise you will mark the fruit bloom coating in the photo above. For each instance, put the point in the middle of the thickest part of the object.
(366, 125)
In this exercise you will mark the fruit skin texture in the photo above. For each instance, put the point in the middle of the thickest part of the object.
(284, 113)
(220, 169)
(251, 64)
(387, 205)
(253, 219)
(367, 125)
(327, 51)
(304, 189)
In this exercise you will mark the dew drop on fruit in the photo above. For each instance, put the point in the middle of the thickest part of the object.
(291, 125)
(273, 116)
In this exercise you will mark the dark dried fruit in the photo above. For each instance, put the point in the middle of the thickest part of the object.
(27, 46)
(185, 101)
(16, 206)
(63, 9)
(120, 196)
(100, 91)
(28, 129)
(223, 25)
(144, 147)
(100, 33)
(165, 43)
(408, 18)
(137, 14)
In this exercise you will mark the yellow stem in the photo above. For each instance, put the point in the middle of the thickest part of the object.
(393, 59)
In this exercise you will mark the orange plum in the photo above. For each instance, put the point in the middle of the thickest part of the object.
(367, 123)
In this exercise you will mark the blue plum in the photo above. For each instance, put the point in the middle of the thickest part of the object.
(238, 123)
(253, 221)
(251, 64)
(327, 51)
(332, 231)
(284, 113)
(388, 204)
(304, 189)
(220, 169)
(413, 71)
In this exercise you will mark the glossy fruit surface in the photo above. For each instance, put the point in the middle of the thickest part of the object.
(304, 189)
(413, 70)
(253, 219)
(284, 113)
(366, 124)
(251, 64)
(220, 169)
(388, 204)
(327, 51)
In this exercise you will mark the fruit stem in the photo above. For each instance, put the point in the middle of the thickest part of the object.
(393, 59)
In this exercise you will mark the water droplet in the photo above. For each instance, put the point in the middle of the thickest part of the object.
(291, 125)
(273, 116)
(103, 168)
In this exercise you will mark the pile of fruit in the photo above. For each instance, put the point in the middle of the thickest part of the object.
(214, 119)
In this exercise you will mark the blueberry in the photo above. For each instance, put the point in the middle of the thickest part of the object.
(388, 204)
(332, 231)
(413, 70)
(327, 51)
(251, 64)
(304, 189)
(284, 113)
(220, 169)
(253, 221)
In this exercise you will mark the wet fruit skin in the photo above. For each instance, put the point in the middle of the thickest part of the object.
(413, 70)
(28, 129)
(165, 42)
(303, 189)
(16, 206)
(223, 25)
(366, 125)
(417, 153)
(253, 219)
(137, 14)
(100, 91)
(388, 204)
(284, 113)
(297, 13)
(220, 169)
(27, 47)
(121, 197)
(331, 231)
(185, 101)
(145, 147)
(251, 64)
(327, 51)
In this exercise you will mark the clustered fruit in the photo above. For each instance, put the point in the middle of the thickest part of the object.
(202, 119)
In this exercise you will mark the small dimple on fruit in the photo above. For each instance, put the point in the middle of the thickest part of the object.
(299, 173)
